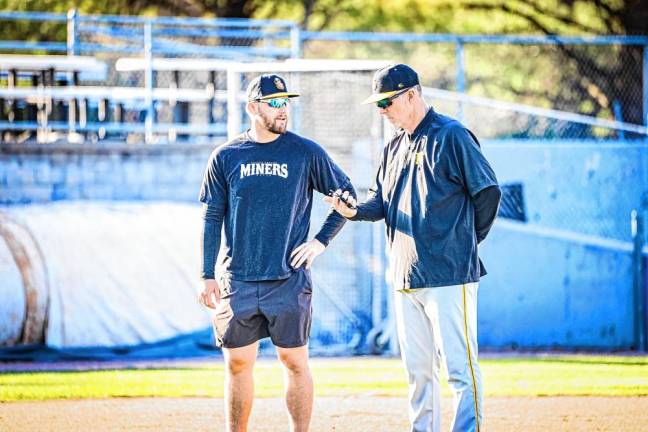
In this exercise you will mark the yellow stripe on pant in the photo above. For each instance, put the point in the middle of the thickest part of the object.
(472, 371)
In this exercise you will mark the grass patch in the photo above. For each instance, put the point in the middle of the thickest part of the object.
(537, 376)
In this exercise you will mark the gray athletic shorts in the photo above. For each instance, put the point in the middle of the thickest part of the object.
(252, 310)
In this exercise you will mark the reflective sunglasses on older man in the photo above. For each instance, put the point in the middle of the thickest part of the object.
(279, 102)
(386, 103)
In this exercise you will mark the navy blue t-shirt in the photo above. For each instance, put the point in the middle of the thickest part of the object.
(424, 190)
(263, 193)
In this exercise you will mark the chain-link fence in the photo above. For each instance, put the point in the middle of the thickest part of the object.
(601, 77)
(193, 92)
(496, 119)
(603, 81)
(435, 62)
(350, 291)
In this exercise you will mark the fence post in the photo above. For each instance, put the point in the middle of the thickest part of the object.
(460, 74)
(618, 116)
(211, 91)
(645, 85)
(72, 30)
(148, 80)
(643, 281)
(233, 103)
(295, 41)
(73, 77)
(638, 236)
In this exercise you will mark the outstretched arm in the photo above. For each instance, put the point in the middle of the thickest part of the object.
(334, 220)
(344, 202)
(325, 175)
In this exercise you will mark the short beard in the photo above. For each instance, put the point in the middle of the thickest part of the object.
(395, 125)
(272, 125)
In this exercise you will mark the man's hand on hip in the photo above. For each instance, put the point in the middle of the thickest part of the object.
(210, 296)
(306, 253)
(343, 203)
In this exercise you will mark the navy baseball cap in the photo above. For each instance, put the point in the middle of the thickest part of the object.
(390, 80)
(267, 87)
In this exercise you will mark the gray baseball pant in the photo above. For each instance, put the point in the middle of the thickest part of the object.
(439, 326)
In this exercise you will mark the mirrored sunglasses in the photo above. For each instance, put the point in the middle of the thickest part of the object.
(385, 103)
(276, 102)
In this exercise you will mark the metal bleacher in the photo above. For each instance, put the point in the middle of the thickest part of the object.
(76, 92)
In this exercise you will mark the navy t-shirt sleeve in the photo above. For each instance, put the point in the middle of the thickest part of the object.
(214, 185)
(326, 176)
(467, 165)
(214, 194)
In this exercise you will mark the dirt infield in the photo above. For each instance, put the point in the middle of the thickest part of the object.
(331, 414)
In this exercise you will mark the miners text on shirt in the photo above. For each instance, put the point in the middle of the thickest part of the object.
(265, 169)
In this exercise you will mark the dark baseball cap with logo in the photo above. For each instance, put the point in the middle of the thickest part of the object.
(268, 86)
(390, 80)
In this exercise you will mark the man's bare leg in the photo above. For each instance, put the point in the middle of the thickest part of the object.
(239, 386)
(299, 386)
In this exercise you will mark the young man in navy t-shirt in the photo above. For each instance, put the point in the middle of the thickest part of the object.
(259, 188)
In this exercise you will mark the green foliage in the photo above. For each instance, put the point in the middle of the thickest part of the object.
(114, 7)
(456, 16)
(55, 31)
(422, 16)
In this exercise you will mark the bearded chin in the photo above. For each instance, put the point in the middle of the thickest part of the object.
(273, 126)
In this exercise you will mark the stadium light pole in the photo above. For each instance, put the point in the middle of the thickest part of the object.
(148, 80)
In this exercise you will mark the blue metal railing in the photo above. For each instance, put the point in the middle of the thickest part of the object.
(474, 39)
(536, 112)
(33, 16)
(130, 30)
(33, 46)
(112, 127)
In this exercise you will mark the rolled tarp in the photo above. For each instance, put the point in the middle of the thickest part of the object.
(99, 274)
(23, 285)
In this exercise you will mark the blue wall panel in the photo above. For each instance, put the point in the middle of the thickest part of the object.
(563, 278)
(546, 289)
